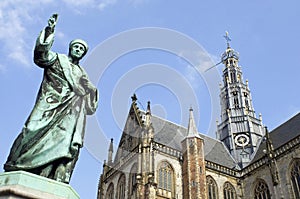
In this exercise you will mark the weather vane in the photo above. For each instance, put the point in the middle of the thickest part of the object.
(226, 36)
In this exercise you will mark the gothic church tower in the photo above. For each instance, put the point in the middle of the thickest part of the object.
(193, 165)
(239, 129)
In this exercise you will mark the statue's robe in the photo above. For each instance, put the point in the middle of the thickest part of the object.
(56, 125)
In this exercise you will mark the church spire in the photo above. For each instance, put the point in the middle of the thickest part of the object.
(239, 128)
(192, 129)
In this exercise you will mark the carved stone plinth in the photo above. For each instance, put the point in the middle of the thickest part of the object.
(24, 185)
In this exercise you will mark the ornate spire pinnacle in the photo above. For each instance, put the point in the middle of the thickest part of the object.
(148, 108)
(148, 115)
(135, 110)
(192, 129)
(111, 147)
(133, 98)
(269, 144)
(110, 152)
(271, 158)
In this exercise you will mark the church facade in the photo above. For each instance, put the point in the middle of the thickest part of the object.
(157, 159)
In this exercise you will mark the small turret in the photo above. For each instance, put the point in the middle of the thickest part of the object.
(193, 164)
(110, 152)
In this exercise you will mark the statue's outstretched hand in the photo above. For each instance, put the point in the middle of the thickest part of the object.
(52, 21)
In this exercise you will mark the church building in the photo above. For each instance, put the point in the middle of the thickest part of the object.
(157, 159)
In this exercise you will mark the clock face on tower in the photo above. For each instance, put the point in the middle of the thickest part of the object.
(241, 140)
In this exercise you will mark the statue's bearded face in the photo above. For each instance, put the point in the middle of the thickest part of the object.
(77, 50)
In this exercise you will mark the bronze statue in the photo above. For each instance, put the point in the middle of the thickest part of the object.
(52, 136)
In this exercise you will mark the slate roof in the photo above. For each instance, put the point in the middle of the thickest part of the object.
(171, 135)
(281, 135)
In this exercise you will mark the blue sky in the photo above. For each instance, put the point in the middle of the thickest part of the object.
(148, 42)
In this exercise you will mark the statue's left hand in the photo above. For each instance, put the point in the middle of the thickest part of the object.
(86, 84)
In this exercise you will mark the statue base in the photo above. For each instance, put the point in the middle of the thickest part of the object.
(24, 185)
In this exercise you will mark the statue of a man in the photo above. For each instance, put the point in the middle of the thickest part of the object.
(53, 134)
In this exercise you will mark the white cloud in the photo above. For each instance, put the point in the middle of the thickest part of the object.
(2, 68)
(192, 75)
(18, 17)
(77, 6)
(15, 17)
(206, 61)
(137, 2)
(20, 56)
(202, 61)
(76, 3)
(103, 4)
(59, 34)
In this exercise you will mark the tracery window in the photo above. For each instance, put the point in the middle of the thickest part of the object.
(165, 176)
(247, 103)
(295, 178)
(212, 188)
(261, 191)
(110, 191)
(132, 179)
(121, 187)
(233, 77)
(236, 102)
(229, 191)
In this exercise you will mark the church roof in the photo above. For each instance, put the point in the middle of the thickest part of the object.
(281, 135)
(171, 135)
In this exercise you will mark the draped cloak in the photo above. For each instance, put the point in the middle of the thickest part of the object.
(56, 125)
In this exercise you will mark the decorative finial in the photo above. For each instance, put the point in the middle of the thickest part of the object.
(111, 144)
(227, 38)
(134, 98)
(148, 108)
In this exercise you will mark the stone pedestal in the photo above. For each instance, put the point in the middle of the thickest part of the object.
(24, 185)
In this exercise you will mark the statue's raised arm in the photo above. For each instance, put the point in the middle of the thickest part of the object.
(43, 56)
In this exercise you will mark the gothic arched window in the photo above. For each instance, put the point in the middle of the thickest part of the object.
(295, 178)
(165, 176)
(261, 190)
(121, 187)
(212, 188)
(110, 191)
(229, 191)
(132, 180)
(233, 77)
(236, 102)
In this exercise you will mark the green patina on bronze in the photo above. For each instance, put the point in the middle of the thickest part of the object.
(52, 136)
